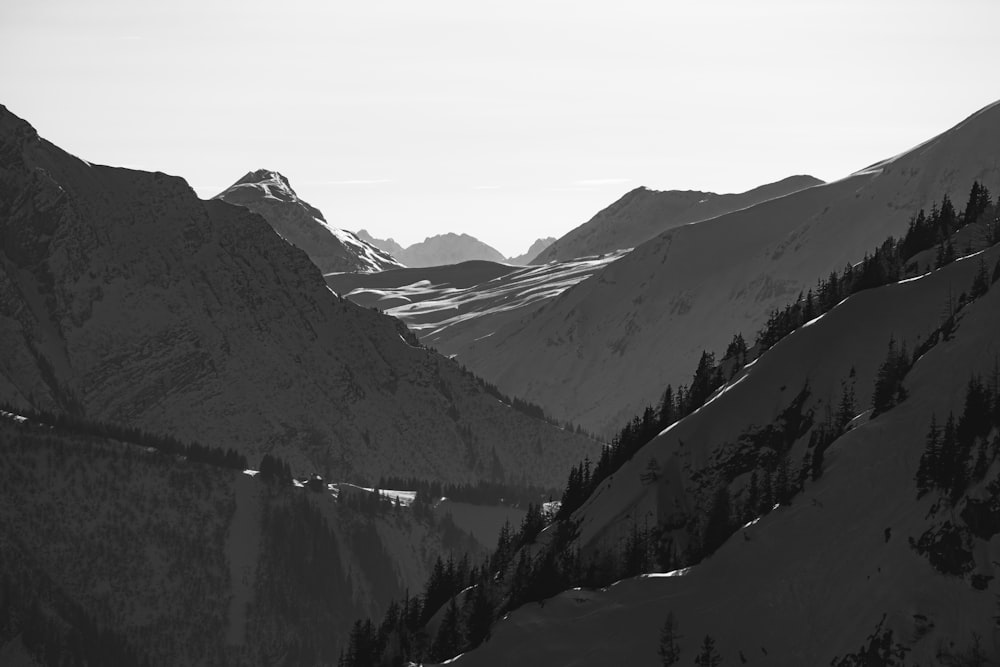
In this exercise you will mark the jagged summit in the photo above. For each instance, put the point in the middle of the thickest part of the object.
(332, 250)
(265, 176)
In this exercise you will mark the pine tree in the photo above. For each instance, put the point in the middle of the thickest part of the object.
(930, 461)
(446, 644)
(708, 657)
(480, 617)
(669, 651)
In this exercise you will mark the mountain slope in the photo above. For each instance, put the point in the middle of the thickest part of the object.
(331, 249)
(125, 298)
(641, 214)
(833, 572)
(606, 347)
(188, 563)
(450, 307)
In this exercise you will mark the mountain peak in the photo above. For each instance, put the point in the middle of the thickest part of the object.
(265, 176)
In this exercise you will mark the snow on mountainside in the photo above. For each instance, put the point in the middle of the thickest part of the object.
(125, 298)
(642, 214)
(608, 346)
(331, 249)
(835, 569)
(450, 307)
(536, 249)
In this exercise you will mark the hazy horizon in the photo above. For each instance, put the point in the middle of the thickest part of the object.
(506, 123)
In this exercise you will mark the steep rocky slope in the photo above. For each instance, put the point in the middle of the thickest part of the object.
(331, 249)
(606, 347)
(642, 213)
(126, 298)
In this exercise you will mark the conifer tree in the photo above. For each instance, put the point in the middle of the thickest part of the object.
(708, 656)
(669, 651)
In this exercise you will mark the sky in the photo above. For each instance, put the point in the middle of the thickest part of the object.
(507, 120)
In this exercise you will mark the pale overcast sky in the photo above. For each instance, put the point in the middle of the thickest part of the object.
(508, 120)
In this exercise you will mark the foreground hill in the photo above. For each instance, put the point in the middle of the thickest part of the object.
(817, 530)
(125, 298)
(330, 249)
(643, 213)
(116, 553)
(603, 349)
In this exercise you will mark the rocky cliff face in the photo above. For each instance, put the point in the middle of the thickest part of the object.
(331, 249)
(126, 298)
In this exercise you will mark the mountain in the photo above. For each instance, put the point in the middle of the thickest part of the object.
(388, 245)
(603, 349)
(448, 248)
(331, 249)
(642, 214)
(125, 298)
(128, 555)
(826, 546)
(536, 249)
(437, 250)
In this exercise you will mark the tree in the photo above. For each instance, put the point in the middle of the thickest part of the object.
(446, 644)
(708, 657)
(669, 651)
(480, 617)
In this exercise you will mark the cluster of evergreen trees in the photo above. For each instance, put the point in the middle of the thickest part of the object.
(674, 405)
(215, 456)
(465, 620)
(889, 262)
(958, 454)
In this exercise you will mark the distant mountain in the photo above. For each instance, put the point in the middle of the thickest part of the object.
(387, 245)
(331, 249)
(536, 248)
(437, 250)
(641, 214)
(605, 348)
(126, 298)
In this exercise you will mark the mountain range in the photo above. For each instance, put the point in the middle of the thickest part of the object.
(450, 248)
(127, 299)
(213, 450)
